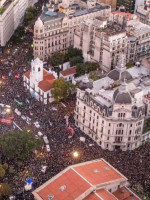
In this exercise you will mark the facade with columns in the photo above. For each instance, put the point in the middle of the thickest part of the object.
(55, 31)
(113, 117)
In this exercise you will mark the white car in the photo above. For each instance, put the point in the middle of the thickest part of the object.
(17, 112)
(40, 134)
(45, 140)
(36, 124)
(43, 169)
(48, 148)
(23, 117)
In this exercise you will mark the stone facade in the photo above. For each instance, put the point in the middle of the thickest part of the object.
(55, 31)
(101, 41)
(11, 18)
(113, 118)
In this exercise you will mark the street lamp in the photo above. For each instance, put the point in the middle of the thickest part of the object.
(8, 110)
(75, 154)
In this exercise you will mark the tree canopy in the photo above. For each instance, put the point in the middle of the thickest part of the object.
(30, 15)
(72, 52)
(57, 59)
(61, 89)
(17, 144)
(74, 60)
(5, 189)
(19, 32)
(86, 67)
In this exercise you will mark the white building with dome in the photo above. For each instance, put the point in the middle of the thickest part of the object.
(114, 117)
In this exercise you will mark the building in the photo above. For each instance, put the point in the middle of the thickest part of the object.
(112, 3)
(55, 31)
(95, 180)
(143, 12)
(128, 4)
(141, 33)
(101, 41)
(11, 17)
(39, 82)
(138, 3)
(114, 117)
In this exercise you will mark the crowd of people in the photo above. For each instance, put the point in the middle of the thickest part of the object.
(135, 165)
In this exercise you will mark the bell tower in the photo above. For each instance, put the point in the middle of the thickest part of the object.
(36, 74)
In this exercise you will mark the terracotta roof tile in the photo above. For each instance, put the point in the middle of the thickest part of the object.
(106, 172)
(46, 85)
(104, 194)
(75, 186)
(124, 193)
(128, 15)
(69, 71)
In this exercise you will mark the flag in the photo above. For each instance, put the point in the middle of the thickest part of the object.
(71, 130)
(16, 76)
(3, 77)
(50, 123)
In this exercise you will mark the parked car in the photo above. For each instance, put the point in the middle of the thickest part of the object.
(17, 112)
(23, 117)
(40, 134)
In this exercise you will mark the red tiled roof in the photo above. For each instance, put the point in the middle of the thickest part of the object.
(104, 194)
(128, 15)
(46, 85)
(69, 71)
(124, 193)
(105, 174)
(79, 179)
(27, 74)
(75, 186)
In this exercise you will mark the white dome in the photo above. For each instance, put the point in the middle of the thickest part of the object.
(39, 23)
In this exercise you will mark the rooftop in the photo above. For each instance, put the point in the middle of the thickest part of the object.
(128, 15)
(78, 180)
(69, 71)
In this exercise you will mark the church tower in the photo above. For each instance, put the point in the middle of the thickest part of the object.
(36, 74)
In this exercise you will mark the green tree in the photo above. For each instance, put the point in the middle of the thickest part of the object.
(5, 166)
(2, 171)
(130, 64)
(19, 32)
(30, 15)
(74, 60)
(86, 67)
(56, 59)
(61, 89)
(95, 75)
(16, 144)
(2, 9)
(5, 189)
(72, 52)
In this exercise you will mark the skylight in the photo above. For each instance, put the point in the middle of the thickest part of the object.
(63, 187)
(106, 168)
(51, 196)
(96, 171)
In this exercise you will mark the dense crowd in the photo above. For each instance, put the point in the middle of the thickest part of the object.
(135, 165)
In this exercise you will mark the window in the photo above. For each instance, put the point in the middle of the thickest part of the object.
(107, 138)
(108, 131)
(38, 69)
(109, 124)
(84, 108)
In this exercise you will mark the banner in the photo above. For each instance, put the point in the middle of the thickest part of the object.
(18, 102)
(6, 121)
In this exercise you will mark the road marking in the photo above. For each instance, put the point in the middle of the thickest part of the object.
(17, 126)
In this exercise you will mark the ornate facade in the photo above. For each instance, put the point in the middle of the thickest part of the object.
(114, 118)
